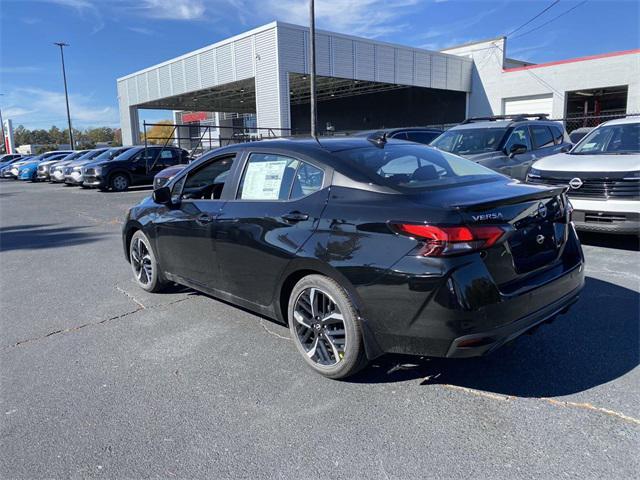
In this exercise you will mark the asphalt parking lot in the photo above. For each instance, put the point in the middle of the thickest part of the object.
(101, 379)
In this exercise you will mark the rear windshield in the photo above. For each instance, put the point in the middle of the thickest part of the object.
(620, 139)
(470, 141)
(415, 167)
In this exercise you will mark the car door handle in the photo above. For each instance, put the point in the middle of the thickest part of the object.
(204, 219)
(295, 216)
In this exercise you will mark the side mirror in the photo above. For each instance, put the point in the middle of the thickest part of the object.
(516, 149)
(565, 149)
(162, 195)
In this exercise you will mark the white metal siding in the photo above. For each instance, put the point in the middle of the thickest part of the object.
(177, 77)
(537, 104)
(423, 69)
(454, 74)
(243, 54)
(385, 64)
(208, 68)
(323, 55)
(342, 57)
(438, 72)
(191, 74)
(165, 81)
(404, 66)
(224, 64)
(292, 45)
(268, 89)
(365, 61)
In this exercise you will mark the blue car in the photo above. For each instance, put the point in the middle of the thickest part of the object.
(29, 170)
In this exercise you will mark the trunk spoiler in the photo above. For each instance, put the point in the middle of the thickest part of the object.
(496, 202)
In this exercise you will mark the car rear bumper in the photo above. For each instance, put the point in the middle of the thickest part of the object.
(425, 307)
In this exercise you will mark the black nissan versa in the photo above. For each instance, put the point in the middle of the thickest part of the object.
(363, 246)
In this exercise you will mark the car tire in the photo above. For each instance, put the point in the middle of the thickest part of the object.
(119, 182)
(144, 263)
(325, 327)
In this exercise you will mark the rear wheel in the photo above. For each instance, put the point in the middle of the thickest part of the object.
(145, 266)
(119, 182)
(325, 327)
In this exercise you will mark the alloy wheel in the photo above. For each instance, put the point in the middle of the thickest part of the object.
(141, 262)
(120, 183)
(320, 327)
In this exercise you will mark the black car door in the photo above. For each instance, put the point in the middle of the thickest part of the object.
(277, 207)
(186, 231)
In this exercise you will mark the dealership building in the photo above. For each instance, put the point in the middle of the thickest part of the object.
(258, 80)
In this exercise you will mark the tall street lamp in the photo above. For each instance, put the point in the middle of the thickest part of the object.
(66, 94)
(4, 140)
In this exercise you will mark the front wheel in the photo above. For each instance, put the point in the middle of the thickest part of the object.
(144, 263)
(120, 182)
(325, 327)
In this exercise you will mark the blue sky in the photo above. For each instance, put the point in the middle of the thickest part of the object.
(111, 38)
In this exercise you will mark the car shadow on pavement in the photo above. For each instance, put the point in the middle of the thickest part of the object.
(29, 237)
(596, 342)
(620, 242)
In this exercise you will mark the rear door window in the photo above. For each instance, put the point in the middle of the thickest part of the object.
(278, 177)
(542, 137)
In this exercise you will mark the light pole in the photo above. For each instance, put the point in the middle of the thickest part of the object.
(4, 140)
(66, 94)
(312, 68)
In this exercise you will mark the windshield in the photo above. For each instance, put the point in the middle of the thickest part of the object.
(470, 141)
(621, 139)
(415, 167)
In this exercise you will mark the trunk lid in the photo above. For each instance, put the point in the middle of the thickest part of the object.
(536, 221)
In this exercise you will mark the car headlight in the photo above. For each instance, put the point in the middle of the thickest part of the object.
(97, 170)
(77, 169)
(534, 172)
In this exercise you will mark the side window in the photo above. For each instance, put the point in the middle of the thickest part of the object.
(542, 136)
(308, 180)
(400, 135)
(168, 158)
(207, 182)
(558, 134)
(267, 177)
(519, 135)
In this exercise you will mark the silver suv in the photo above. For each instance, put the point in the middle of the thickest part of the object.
(506, 144)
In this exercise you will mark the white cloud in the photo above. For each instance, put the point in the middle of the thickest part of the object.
(173, 9)
(40, 108)
(142, 30)
(369, 18)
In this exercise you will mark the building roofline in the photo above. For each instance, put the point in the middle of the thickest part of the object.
(573, 60)
(220, 43)
(276, 24)
(468, 44)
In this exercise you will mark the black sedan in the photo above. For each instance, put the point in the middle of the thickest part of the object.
(362, 246)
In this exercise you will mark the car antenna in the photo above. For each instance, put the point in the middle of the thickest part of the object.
(379, 139)
(312, 71)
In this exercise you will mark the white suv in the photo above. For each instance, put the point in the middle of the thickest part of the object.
(603, 175)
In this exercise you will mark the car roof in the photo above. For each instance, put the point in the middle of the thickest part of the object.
(622, 121)
(501, 124)
(391, 131)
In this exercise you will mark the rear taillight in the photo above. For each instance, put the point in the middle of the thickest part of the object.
(447, 240)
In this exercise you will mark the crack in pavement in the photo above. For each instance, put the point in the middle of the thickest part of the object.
(139, 308)
(131, 297)
(551, 401)
(273, 333)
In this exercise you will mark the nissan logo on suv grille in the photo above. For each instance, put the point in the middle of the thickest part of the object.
(575, 183)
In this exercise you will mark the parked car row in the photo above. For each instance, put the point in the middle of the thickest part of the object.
(115, 168)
